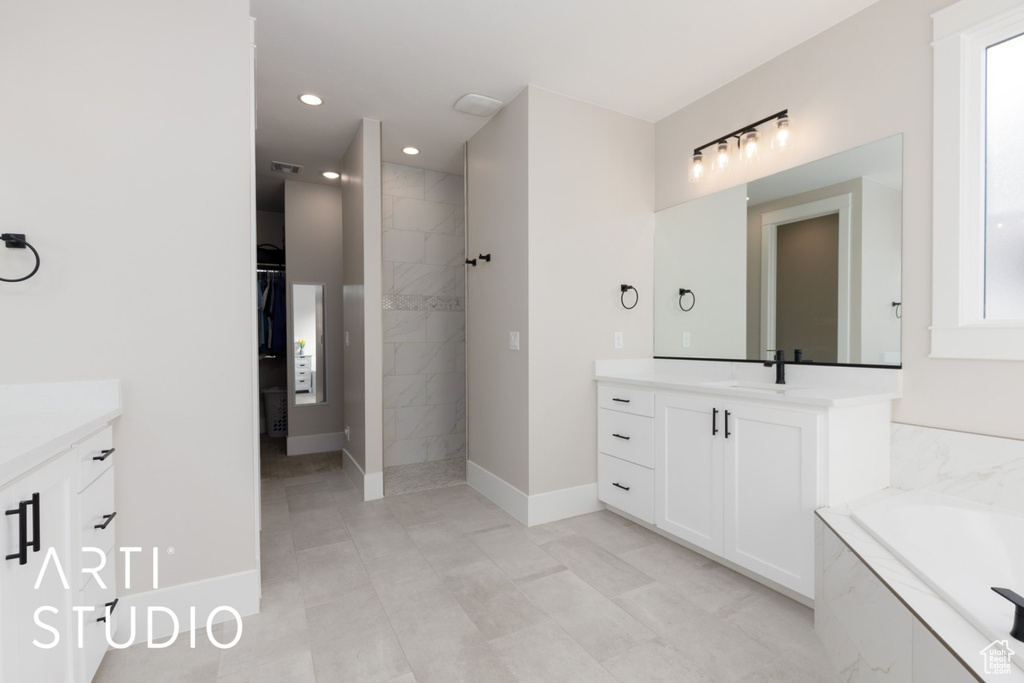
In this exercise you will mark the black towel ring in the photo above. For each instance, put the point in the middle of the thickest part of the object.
(18, 242)
(622, 297)
(898, 305)
(693, 299)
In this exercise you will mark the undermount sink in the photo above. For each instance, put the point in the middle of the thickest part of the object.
(754, 386)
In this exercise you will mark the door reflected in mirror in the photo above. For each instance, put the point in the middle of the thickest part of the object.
(309, 348)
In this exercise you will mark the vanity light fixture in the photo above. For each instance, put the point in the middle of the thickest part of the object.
(311, 99)
(411, 151)
(748, 146)
(331, 175)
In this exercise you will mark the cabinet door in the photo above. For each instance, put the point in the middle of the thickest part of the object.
(688, 471)
(20, 659)
(771, 492)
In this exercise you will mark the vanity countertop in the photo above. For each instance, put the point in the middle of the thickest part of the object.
(826, 386)
(39, 421)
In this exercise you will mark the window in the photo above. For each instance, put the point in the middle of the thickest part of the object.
(978, 203)
(1004, 180)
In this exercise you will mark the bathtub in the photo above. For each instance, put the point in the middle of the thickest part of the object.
(960, 549)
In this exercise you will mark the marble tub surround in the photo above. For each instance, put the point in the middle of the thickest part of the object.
(424, 315)
(975, 467)
(805, 384)
(878, 620)
(38, 421)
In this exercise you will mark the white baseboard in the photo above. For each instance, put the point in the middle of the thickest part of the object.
(562, 504)
(507, 497)
(315, 443)
(239, 591)
(371, 486)
(537, 509)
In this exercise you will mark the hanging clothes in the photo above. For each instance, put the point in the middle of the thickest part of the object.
(270, 312)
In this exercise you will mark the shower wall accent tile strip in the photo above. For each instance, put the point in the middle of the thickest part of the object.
(424, 282)
(421, 302)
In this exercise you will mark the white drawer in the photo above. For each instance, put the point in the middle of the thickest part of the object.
(625, 400)
(626, 486)
(302, 363)
(630, 437)
(95, 456)
(302, 384)
(94, 503)
(94, 637)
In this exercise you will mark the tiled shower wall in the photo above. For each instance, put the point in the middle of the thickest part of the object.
(424, 316)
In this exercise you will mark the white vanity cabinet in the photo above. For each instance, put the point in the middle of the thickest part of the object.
(67, 504)
(739, 479)
(738, 474)
(42, 503)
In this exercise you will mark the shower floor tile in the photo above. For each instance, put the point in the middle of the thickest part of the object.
(423, 476)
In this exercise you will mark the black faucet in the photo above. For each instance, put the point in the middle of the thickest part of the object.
(780, 366)
(1018, 613)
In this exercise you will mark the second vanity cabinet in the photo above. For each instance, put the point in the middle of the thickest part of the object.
(738, 477)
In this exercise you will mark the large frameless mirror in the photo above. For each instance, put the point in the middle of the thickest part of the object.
(309, 348)
(807, 259)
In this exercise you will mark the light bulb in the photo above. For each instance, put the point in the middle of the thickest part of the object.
(697, 168)
(749, 145)
(311, 99)
(783, 135)
(722, 157)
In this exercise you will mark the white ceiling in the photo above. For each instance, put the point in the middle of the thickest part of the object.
(406, 62)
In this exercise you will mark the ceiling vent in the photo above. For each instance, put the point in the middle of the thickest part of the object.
(478, 105)
(282, 167)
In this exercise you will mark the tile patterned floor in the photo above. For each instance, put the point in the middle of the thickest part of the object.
(423, 476)
(444, 586)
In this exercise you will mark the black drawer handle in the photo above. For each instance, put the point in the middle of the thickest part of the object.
(620, 436)
(727, 424)
(110, 610)
(621, 400)
(624, 488)
(714, 421)
(109, 518)
(105, 454)
(23, 543)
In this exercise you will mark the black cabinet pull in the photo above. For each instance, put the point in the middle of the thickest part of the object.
(624, 488)
(22, 555)
(109, 518)
(105, 454)
(620, 436)
(714, 421)
(108, 612)
(727, 424)
(621, 400)
(35, 522)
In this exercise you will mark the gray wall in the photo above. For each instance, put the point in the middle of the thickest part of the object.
(147, 274)
(364, 369)
(313, 214)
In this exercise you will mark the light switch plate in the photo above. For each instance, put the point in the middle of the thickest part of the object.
(513, 341)
(686, 340)
(618, 340)
(346, 337)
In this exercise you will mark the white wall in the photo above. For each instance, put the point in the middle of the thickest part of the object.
(313, 214)
(700, 247)
(146, 273)
(591, 228)
(864, 79)
(496, 296)
(364, 366)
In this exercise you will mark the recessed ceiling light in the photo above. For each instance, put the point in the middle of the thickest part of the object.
(410, 150)
(331, 175)
(311, 99)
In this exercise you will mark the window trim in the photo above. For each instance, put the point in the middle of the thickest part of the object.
(961, 34)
